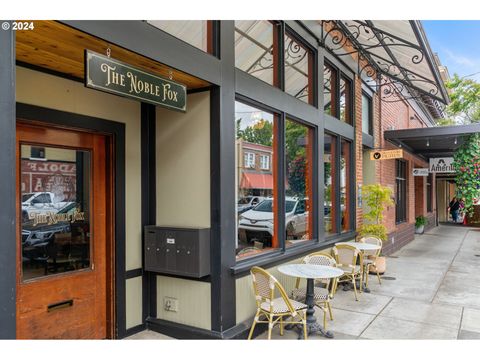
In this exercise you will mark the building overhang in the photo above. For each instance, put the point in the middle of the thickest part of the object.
(432, 142)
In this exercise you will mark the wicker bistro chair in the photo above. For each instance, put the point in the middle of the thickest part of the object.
(275, 309)
(324, 289)
(370, 256)
(346, 257)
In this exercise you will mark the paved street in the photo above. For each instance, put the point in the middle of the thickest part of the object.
(435, 294)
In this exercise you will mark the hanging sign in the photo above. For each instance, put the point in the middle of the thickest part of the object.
(112, 76)
(420, 172)
(386, 154)
(442, 165)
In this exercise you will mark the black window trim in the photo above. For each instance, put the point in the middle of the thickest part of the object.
(370, 113)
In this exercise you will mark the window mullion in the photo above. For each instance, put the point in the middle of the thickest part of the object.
(338, 209)
(280, 181)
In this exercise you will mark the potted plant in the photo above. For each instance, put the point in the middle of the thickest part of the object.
(420, 222)
(376, 197)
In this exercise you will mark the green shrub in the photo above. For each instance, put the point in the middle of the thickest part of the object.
(377, 230)
(420, 220)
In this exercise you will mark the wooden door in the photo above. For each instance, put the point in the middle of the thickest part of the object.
(64, 218)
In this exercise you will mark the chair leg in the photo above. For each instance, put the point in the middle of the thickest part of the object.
(270, 327)
(324, 318)
(366, 274)
(378, 277)
(281, 325)
(354, 288)
(253, 325)
(330, 310)
(304, 321)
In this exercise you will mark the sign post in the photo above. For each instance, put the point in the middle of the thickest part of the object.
(115, 77)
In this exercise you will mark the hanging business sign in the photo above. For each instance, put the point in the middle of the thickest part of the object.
(420, 172)
(442, 165)
(113, 76)
(386, 154)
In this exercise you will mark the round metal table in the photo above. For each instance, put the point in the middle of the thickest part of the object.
(362, 247)
(311, 272)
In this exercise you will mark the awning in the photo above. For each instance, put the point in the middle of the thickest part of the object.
(432, 142)
(394, 53)
(256, 181)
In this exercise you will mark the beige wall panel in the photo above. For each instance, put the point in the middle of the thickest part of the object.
(133, 292)
(183, 164)
(53, 92)
(193, 301)
(245, 297)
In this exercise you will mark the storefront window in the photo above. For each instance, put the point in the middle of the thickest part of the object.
(401, 191)
(55, 198)
(345, 186)
(256, 50)
(195, 32)
(298, 73)
(299, 182)
(329, 81)
(329, 185)
(255, 180)
(367, 127)
(345, 100)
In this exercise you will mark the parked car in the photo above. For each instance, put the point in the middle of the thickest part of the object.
(33, 234)
(257, 223)
(40, 203)
(248, 202)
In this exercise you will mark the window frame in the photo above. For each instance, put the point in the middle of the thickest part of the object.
(370, 112)
(350, 94)
(264, 159)
(312, 66)
(401, 184)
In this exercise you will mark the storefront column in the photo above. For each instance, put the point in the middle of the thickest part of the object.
(223, 207)
(7, 189)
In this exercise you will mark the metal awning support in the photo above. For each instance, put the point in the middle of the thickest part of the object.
(394, 54)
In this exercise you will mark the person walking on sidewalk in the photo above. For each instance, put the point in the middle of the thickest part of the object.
(454, 207)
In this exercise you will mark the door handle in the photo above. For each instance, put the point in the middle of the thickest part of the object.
(60, 305)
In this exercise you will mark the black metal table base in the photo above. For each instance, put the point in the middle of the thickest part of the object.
(349, 286)
(314, 328)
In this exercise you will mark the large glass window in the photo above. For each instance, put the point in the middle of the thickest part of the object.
(195, 32)
(55, 198)
(429, 193)
(256, 49)
(329, 90)
(329, 184)
(345, 100)
(401, 191)
(256, 190)
(298, 69)
(345, 185)
(367, 126)
(299, 182)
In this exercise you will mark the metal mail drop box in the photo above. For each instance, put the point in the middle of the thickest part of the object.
(177, 251)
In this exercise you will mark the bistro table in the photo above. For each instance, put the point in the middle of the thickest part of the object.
(311, 272)
(362, 247)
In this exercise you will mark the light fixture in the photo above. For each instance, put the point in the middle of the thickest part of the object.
(455, 142)
(428, 142)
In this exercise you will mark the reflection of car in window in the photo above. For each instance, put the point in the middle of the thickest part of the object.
(33, 234)
(257, 223)
(40, 203)
(248, 202)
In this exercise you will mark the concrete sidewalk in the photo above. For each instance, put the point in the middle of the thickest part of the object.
(434, 294)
